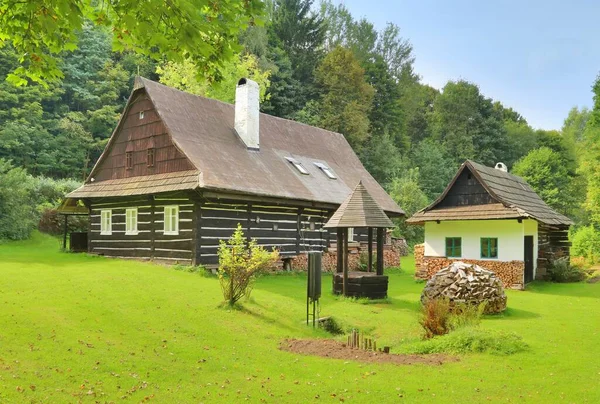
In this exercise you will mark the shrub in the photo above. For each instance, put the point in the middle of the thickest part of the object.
(239, 263)
(53, 223)
(471, 340)
(562, 271)
(17, 215)
(586, 244)
(331, 325)
(363, 263)
(435, 318)
(466, 315)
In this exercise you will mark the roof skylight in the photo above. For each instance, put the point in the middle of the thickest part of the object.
(298, 165)
(328, 171)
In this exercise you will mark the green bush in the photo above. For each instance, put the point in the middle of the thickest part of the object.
(471, 340)
(562, 271)
(53, 223)
(332, 326)
(586, 244)
(18, 217)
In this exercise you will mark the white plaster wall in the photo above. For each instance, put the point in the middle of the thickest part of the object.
(247, 105)
(509, 233)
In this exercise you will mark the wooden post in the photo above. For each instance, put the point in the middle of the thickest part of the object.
(65, 232)
(370, 248)
(340, 251)
(380, 236)
(345, 254)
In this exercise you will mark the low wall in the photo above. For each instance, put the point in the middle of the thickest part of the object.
(509, 272)
(391, 258)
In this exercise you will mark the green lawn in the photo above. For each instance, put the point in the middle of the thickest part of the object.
(79, 328)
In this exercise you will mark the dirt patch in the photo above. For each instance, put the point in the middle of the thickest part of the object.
(328, 348)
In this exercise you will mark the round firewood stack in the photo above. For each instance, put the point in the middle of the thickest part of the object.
(467, 283)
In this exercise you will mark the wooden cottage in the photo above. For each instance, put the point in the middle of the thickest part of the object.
(181, 171)
(493, 218)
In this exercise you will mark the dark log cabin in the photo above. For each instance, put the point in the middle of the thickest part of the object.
(181, 171)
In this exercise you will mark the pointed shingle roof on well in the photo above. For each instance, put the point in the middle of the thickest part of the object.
(359, 210)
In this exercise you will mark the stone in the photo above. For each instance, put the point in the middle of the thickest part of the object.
(461, 282)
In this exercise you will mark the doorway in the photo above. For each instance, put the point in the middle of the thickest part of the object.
(528, 248)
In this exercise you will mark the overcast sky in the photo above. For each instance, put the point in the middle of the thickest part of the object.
(539, 57)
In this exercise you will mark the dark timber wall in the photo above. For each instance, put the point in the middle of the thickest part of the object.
(467, 190)
(137, 135)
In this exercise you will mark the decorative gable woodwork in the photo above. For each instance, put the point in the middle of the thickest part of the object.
(466, 190)
(139, 130)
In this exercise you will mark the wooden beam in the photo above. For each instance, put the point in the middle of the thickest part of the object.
(152, 225)
(380, 237)
(65, 232)
(345, 255)
(370, 248)
(340, 250)
(299, 229)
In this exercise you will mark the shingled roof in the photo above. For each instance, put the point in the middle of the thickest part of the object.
(359, 210)
(513, 199)
(203, 129)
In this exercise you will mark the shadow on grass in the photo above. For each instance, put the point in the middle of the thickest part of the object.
(577, 289)
(262, 317)
(512, 314)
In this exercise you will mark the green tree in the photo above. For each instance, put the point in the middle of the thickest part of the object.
(589, 165)
(406, 192)
(182, 76)
(347, 97)
(436, 167)
(17, 216)
(545, 171)
(205, 34)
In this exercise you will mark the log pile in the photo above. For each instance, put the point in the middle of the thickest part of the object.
(469, 284)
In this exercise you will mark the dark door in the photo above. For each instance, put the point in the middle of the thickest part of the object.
(528, 259)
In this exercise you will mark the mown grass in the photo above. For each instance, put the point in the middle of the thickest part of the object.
(81, 328)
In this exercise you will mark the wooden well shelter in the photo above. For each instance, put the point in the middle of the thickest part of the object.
(360, 210)
(78, 241)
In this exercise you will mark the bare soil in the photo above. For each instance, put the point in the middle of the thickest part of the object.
(328, 348)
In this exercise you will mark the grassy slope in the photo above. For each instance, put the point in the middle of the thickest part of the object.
(76, 327)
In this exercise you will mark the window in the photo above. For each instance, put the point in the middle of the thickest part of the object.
(129, 160)
(328, 171)
(453, 247)
(172, 220)
(298, 165)
(131, 225)
(350, 234)
(151, 157)
(106, 222)
(489, 248)
(141, 114)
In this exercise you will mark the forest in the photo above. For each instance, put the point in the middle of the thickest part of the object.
(318, 64)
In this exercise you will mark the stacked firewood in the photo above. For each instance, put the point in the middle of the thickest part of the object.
(468, 284)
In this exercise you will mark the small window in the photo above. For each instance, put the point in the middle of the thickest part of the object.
(151, 157)
(141, 114)
(131, 216)
(453, 247)
(489, 248)
(350, 233)
(298, 165)
(171, 220)
(328, 171)
(106, 222)
(129, 160)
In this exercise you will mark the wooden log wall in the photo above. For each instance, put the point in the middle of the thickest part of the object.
(291, 230)
(553, 242)
(150, 242)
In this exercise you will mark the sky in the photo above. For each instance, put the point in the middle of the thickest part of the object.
(538, 57)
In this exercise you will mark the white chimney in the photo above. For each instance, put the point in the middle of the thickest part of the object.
(247, 112)
(501, 167)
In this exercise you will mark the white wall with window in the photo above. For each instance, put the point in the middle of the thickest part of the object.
(480, 239)
(171, 220)
(106, 222)
(131, 221)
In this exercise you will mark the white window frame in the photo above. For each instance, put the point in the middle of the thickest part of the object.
(298, 165)
(106, 222)
(328, 171)
(171, 212)
(131, 221)
(350, 234)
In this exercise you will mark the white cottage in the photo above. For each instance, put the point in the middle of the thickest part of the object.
(495, 219)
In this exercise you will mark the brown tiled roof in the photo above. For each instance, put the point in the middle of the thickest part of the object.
(514, 197)
(359, 210)
(147, 184)
(203, 129)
